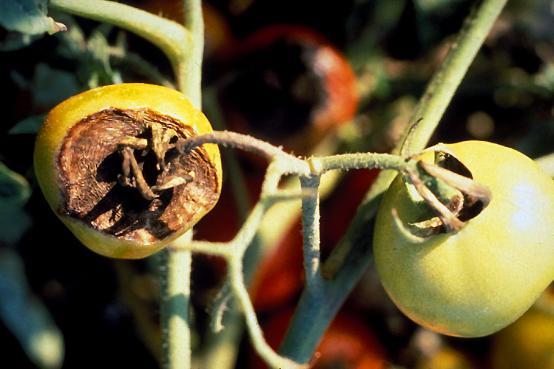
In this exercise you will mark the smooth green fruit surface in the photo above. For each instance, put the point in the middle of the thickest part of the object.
(482, 278)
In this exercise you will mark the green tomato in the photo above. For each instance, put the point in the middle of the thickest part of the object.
(480, 279)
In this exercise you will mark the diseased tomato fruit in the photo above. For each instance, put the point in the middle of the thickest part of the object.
(480, 279)
(107, 164)
(290, 86)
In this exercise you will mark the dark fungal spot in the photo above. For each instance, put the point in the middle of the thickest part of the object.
(89, 167)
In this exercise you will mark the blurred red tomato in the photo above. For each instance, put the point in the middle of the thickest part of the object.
(280, 276)
(288, 85)
(347, 344)
(344, 201)
(223, 222)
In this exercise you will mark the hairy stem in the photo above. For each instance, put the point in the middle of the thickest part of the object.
(310, 231)
(188, 72)
(246, 143)
(357, 161)
(175, 272)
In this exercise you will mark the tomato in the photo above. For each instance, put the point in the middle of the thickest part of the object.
(528, 343)
(348, 343)
(444, 358)
(289, 86)
(483, 277)
(280, 276)
(92, 183)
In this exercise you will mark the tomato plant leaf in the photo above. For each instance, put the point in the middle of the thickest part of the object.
(27, 17)
(14, 193)
(26, 317)
(29, 125)
(51, 86)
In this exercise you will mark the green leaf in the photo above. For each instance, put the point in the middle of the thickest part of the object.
(26, 317)
(14, 188)
(29, 125)
(14, 41)
(14, 193)
(27, 17)
(51, 86)
(14, 221)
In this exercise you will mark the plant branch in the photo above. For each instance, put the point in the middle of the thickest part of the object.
(256, 334)
(175, 271)
(310, 231)
(353, 253)
(357, 161)
(246, 143)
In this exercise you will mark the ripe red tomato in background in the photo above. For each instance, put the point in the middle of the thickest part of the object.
(288, 85)
(347, 344)
(280, 277)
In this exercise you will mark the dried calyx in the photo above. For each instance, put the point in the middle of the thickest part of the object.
(449, 192)
(121, 174)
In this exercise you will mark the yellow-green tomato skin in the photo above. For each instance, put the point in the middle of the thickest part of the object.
(64, 116)
(476, 281)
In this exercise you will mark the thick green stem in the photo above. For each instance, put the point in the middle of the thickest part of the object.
(314, 313)
(175, 274)
(188, 71)
(311, 232)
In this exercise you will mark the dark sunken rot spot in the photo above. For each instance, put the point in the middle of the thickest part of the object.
(89, 164)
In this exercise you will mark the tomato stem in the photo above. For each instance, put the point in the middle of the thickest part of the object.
(311, 231)
(352, 255)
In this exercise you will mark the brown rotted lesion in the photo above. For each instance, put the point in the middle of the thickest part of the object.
(121, 173)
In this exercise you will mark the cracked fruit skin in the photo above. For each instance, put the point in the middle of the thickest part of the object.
(133, 97)
(474, 282)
